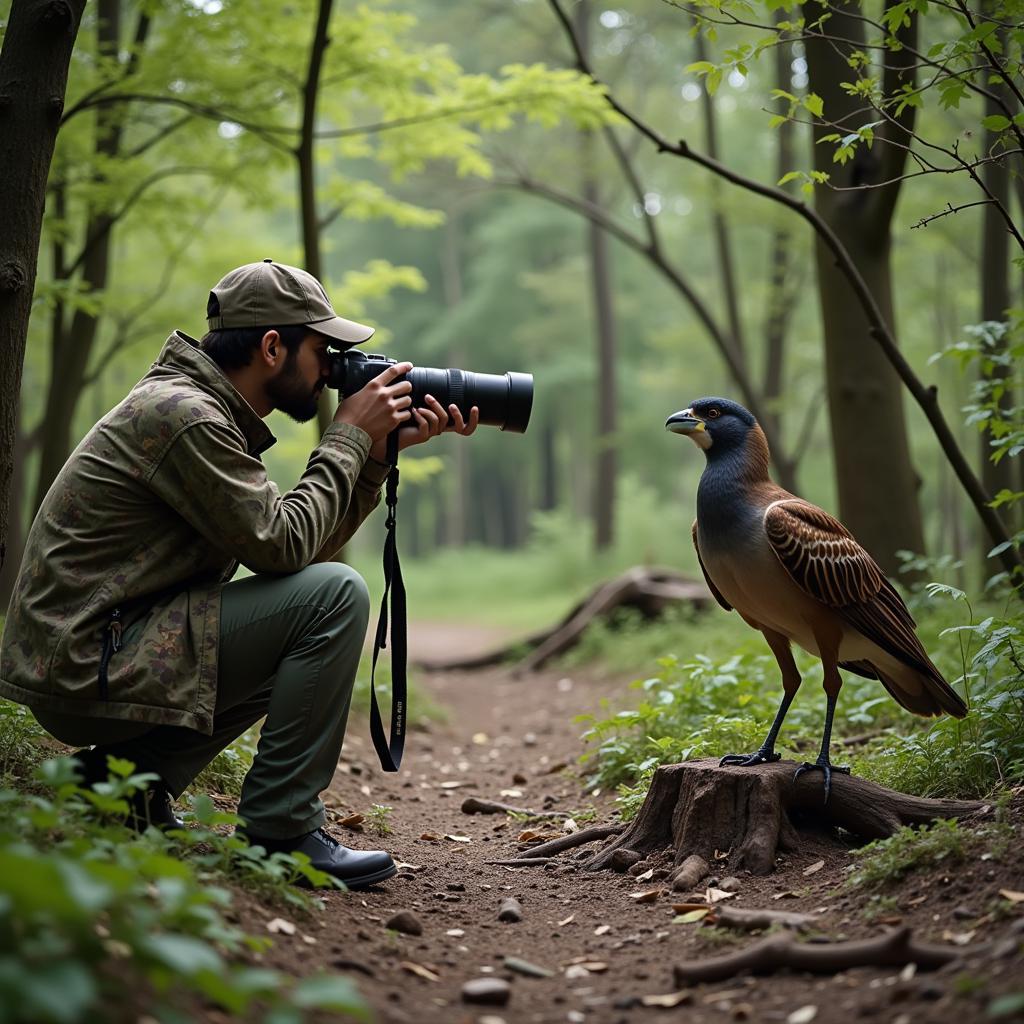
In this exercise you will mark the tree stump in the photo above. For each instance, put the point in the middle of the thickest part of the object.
(700, 808)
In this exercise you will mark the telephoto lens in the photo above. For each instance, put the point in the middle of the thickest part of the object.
(504, 400)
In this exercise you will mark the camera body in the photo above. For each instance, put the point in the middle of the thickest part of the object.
(504, 400)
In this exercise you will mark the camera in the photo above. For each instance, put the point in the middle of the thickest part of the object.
(504, 400)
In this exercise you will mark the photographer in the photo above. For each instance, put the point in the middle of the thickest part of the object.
(124, 633)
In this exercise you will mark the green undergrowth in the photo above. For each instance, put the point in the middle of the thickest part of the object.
(98, 924)
(718, 689)
(943, 844)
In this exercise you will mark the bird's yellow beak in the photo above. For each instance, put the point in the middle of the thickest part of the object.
(689, 423)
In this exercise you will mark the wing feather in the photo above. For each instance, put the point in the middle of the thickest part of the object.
(716, 593)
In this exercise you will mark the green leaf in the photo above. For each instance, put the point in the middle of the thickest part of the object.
(789, 176)
(330, 992)
(996, 123)
(182, 954)
(814, 104)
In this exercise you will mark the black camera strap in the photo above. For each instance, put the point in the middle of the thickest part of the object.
(390, 753)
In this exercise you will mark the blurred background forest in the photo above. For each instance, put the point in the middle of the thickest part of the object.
(489, 213)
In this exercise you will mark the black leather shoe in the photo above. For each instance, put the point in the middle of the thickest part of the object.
(151, 806)
(356, 868)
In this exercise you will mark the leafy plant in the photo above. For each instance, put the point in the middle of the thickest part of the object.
(378, 818)
(96, 912)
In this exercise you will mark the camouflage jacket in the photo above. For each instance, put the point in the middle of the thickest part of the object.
(116, 609)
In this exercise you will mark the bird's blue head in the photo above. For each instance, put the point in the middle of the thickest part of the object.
(716, 425)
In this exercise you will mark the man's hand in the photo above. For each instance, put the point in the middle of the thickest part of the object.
(427, 423)
(380, 405)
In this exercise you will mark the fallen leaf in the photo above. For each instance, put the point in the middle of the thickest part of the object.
(481, 738)
(602, 929)
(668, 1000)
(532, 836)
(685, 908)
(812, 868)
(430, 837)
(576, 972)
(729, 993)
(1012, 895)
(717, 895)
(917, 900)
(455, 933)
(419, 970)
(279, 926)
(804, 1015)
(510, 792)
(787, 895)
(646, 876)
(959, 938)
(455, 784)
(722, 854)
(650, 896)
(566, 920)
(458, 839)
(353, 821)
(403, 866)
(309, 940)
(594, 966)
(569, 825)
(691, 916)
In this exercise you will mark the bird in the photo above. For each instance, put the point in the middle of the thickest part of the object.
(795, 573)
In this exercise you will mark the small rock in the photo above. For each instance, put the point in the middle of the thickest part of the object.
(964, 913)
(511, 911)
(623, 860)
(486, 991)
(713, 882)
(930, 989)
(455, 887)
(530, 740)
(730, 884)
(514, 963)
(519, 779)
(406, 922)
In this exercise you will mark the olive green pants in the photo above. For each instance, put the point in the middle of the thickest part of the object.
(289, 650)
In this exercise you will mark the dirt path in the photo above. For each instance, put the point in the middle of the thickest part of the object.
(514, 740)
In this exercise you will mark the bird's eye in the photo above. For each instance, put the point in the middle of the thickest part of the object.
(713, 414)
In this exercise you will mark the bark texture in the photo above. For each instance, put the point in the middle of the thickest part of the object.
(33, 79)
(699, 808)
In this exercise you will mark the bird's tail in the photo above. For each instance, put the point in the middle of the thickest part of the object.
(918, 688)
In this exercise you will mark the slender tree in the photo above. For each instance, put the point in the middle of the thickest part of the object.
(34, 65)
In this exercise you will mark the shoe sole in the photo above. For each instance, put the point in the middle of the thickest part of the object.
(366, 880)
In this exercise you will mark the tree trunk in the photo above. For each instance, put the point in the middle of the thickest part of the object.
(71, 357)
(548, 435)
(720, 227)
(304, 155)
(33, 79)
(606, 457)
(995, 301)
(877, 484)
(457, 492)
(15, 522)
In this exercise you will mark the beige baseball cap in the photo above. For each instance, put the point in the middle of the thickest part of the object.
(270, 294)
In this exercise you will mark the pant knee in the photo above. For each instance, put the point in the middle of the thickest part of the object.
(340, 587)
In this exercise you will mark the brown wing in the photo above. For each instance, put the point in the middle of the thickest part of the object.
(824, 559)
(707, 579)
(821, 554)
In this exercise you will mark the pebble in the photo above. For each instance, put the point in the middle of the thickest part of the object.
(486, 991)
(519, 779)
(404, 922)
(511, 911)
(730, 884)
(964, 913)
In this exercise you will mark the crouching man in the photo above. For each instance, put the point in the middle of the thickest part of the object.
(124, 633)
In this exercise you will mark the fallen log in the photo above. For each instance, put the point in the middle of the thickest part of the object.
(474, 805)
(780, 952)
(648, 590)
(760, 919)
(573, 839)
(699, 807)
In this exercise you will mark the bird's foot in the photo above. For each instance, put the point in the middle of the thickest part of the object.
(827, 768)
(762, 756)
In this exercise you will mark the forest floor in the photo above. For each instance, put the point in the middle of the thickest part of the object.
(602, 953)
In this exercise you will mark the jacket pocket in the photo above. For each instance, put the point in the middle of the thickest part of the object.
(111, 645)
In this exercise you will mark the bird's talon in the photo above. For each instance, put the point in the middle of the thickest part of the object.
(749, 760)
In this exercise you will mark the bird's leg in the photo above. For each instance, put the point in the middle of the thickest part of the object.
(790, 684)
(833, 683)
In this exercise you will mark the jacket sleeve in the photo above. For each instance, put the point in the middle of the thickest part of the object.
(208, 477)
(365, 498)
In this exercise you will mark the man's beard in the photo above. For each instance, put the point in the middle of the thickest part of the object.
(289, 392)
